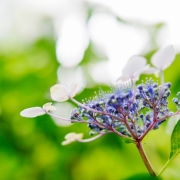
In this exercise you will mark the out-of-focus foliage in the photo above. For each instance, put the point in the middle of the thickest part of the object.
(31, 148)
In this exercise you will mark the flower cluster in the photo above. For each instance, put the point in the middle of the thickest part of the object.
(130, 111)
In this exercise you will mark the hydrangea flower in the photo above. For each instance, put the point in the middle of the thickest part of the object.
(134, 67)
(131, 111)
(32, 112)
(37, 111)
(48, 107)
(71, 137)
(161, 60)
(61, 92)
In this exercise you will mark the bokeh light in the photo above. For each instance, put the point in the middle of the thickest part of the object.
(73, 41)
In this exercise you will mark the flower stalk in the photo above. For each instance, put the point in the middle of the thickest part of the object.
(145, 158)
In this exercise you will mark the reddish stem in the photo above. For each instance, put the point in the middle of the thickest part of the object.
(145, 158)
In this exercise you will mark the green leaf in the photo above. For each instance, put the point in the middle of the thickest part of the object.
(175, 140)
(142, 177)
(175, 146)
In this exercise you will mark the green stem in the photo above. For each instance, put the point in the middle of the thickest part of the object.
(145, 159)
(167, 163)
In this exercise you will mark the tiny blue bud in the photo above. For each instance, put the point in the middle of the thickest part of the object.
(175, 101)
(150, 90)
(137, 96)
(155, 85)
(141, 116)
(125, 107)
(168, 84)
(140, 87)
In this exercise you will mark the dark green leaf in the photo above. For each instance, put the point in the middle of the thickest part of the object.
(175, 140)
(142, 177)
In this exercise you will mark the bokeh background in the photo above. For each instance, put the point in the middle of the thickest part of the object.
(44, 42)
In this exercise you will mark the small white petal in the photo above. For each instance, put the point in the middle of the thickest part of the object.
(32, 112)
(138, 73)
(66, 142)
(73, 89)
(163, 58)
(59, 92)
(134, 66)
(71, 137)
(48, 107)
(74, 136)
(79, 136)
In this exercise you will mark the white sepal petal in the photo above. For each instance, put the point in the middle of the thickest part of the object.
(163, 58)
(134, 66)
(74, 136)
(48, 107)
(71, 137)
(73, 89)
(66, 142)
(59, 92)
(32, 112)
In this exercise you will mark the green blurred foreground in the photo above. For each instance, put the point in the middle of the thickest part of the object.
(31, 148)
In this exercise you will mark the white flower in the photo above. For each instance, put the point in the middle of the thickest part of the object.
(61, 92)
(134, 67)
(48, 107)
(37, 111)
(161, 60)
(71, 137)
(32, 112)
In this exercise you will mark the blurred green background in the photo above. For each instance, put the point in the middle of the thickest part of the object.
(31, 148)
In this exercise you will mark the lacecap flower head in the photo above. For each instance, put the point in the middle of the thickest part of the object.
(131, 111)
(128, 111)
